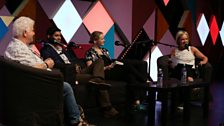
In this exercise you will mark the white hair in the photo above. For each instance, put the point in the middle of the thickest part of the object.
(21, 25)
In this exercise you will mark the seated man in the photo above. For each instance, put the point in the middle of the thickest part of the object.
(19, 50)
(54, 49)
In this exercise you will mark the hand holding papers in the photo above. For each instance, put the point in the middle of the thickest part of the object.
(117, 63)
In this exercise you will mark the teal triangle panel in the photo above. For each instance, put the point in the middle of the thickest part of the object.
(109, 41)
(191, 5)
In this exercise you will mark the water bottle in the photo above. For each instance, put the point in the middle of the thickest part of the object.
(160, 77)
(197, 71)
(184, 75)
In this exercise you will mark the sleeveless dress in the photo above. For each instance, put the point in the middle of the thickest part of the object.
(183, 57)
(180, 58)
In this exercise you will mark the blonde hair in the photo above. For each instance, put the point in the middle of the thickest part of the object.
(21, 25)
(95, 36)
(181, 33)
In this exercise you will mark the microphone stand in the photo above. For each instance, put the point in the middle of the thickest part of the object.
(152, 43)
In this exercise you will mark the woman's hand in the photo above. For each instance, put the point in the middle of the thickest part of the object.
(202, 62)
(109, 67)
(199, 55)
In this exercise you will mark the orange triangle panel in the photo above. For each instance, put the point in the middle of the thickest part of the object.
(162, 25)
(187, 23)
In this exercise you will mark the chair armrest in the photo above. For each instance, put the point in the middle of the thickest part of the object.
(30, 96)
(206, 72)
(163, 63)
(68, 71)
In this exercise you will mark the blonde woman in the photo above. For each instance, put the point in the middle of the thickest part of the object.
(185, 54)
(134, 72)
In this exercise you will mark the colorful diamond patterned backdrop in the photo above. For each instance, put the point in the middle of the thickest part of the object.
(128, 21)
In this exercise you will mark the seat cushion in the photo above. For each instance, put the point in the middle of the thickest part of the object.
(86, 95)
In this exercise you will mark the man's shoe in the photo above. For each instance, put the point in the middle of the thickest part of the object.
(83, 123)
(110, 113)
(180, 108)
(100, 83)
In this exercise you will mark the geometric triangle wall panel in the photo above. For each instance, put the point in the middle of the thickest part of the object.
(141, 10)
(165, 2)
(68, 20)
(5, 39)
(98, 19)
(5, 12)
(121, 12)
(3, 29)
(202, 28)
(50, 7)
(152, 62)
(221, 32)
(188, 24)
(214, 29)
(7, 19)
(82, 6)
(167, 43)
(109, 42)
(162, 25)
(12, 5)
(149, 26)
(81, 36)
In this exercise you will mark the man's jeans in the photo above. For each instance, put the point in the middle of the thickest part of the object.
(70, 104)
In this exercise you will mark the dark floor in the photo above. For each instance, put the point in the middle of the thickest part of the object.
(139, 118)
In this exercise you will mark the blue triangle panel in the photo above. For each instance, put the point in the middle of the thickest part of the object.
(109, 41)
(3, 29)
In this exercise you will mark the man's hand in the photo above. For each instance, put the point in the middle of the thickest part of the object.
(49, 62)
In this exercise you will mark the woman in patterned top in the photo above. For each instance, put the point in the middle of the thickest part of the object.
(132, 71)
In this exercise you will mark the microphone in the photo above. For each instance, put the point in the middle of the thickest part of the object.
(74, 45)
(53, 41)
(186, 46)
(59, 43)
(118, 43)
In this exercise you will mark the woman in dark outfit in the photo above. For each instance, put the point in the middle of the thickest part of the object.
(129, 70)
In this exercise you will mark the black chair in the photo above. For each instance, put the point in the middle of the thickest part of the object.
(86, 95)
(30, 96)
(204, 73)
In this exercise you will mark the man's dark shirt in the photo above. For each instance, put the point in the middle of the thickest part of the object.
(48, 52)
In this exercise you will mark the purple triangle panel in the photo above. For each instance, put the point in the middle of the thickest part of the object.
(81, 36)
(121, 13)
(4, 11)
(51, 6)
(149, 26)
(5, 40)
(82, 6)
(117, 49)
(167, 39)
